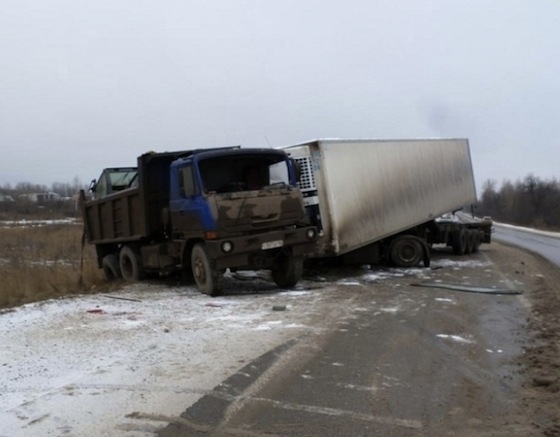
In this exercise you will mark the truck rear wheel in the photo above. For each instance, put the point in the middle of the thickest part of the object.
(130, 264)
(208, 279)
(406, 251)
(111, 269)
(287, 270)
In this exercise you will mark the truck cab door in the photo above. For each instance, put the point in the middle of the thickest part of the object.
(190, 213)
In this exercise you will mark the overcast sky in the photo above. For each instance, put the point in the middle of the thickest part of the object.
(88, 85)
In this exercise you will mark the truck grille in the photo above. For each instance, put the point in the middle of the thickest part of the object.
(307, 181)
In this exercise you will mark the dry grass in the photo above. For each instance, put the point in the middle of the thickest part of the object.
(43, 262)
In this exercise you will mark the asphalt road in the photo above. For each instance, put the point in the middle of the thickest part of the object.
(546, 244)
(401, 361)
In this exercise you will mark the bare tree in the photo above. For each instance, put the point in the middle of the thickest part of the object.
(528, 202)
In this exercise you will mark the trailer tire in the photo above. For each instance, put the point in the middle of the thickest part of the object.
(477, 241)
(470, 241)
(208, 279)
(287, 270)
(459, 243)
(131, 265)
(406, 251)
(111, 268)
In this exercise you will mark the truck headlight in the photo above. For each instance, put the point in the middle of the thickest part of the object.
(310, 234)
(227, 246)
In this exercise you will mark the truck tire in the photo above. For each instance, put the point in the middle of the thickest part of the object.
(111, 268)
(406, 251)
(207, 278)
(131, 265)
(459, 242)
(287, 270)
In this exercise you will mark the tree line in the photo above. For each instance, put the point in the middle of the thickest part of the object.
(531, 202)
(17, 200)
(63, 189)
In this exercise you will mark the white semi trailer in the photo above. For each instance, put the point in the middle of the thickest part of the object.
(382, 200)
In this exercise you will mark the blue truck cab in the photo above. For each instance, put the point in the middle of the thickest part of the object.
(201, 212)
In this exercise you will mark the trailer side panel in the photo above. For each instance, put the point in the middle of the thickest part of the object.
(371, 189)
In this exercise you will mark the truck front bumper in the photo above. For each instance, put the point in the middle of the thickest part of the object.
(259, 250)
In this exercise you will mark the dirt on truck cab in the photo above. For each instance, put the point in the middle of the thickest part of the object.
(201, 212)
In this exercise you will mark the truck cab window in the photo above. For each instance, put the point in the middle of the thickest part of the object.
(186, 182)
(113, 180)
(278, 173)
(121, 179)
(100, 188)
(244, 173)
(253, 178)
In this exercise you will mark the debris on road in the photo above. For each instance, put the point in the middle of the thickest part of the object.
(96, 311)
(121, 298)
(467, 288)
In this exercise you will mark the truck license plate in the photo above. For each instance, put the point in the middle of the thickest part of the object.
(272, 244)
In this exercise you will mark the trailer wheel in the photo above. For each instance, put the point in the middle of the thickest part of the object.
(470, 241)
(111, 269)
(131, 265)
(287, 270)
(459, 242)
(477, 241)
(406, 251)
(208, 279)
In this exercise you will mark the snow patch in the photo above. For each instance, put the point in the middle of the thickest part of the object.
(456, 338)
(468, 263)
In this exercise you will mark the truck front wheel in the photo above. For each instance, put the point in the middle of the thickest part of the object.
(131, 265)
(287, 270)
(208, 279)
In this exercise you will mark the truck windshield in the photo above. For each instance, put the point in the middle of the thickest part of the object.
(115, 179)
(242, 173)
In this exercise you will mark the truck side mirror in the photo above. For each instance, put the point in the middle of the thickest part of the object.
(92, 185)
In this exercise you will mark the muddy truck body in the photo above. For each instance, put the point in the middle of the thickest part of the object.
(386, 200)
(199, 213)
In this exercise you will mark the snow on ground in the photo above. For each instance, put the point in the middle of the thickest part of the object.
(530, 230)
(37, 223)
(125, 364)
(79, 366)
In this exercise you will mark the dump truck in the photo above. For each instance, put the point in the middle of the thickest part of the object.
(199, 213)
(388, 200)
